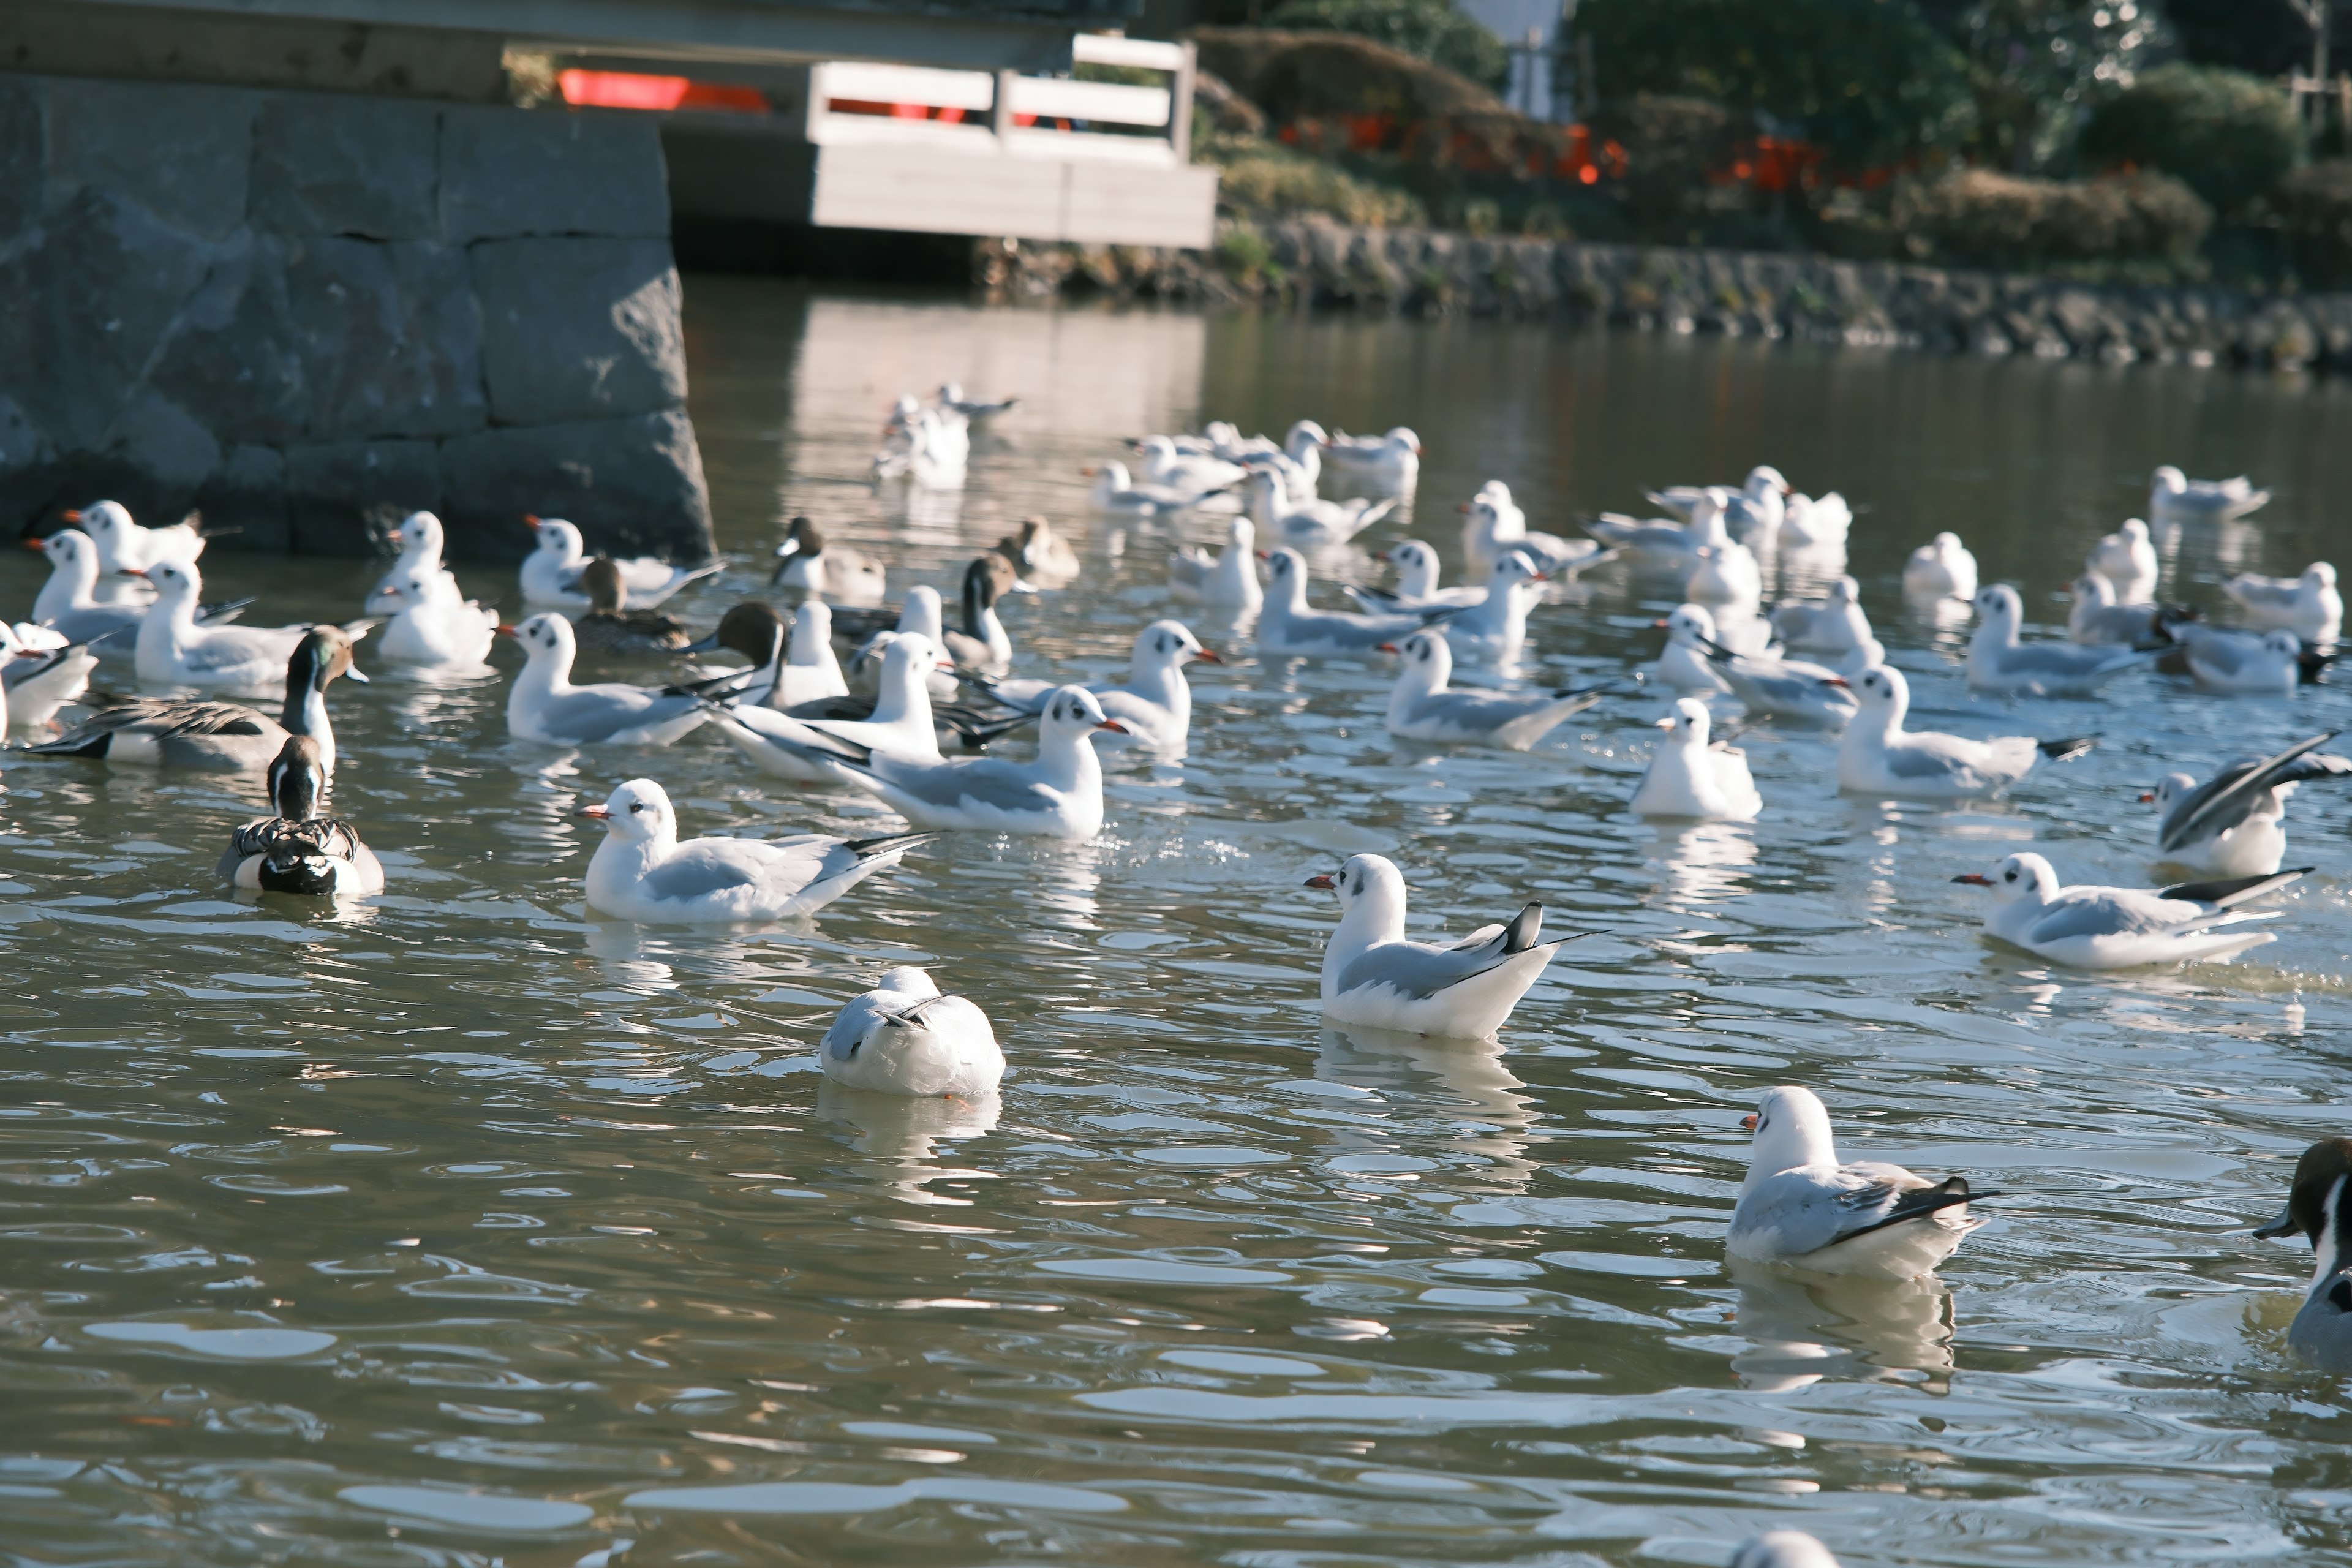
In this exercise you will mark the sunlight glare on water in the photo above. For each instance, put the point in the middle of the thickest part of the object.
(461, 1226)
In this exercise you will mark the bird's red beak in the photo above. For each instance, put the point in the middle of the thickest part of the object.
(40, 545)
(1262, 555)
(599, 812)
(1464, 507)
(130, 571)
(1388, 647)
(1208, 655)
(1837, 680)
(71, 514)
(2147, 799)
(1658, 625)
(1974, 879)
(1323, 882)
(531, 520)
(1115, 727)
(1749, 1121)
(505, 630)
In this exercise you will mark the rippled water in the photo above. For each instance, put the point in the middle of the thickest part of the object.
(458, 1227)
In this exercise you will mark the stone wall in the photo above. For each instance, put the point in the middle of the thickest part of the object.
(311, 314)
(1771, 295)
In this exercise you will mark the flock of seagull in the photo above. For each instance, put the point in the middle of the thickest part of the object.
(899, 701)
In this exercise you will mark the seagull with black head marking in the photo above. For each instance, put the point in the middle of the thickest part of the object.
(1375, 975)
(1424, 706)
(2087, 926)
(2234, 824)
(544, 706)
(904, 1037)
(2322, 1331)
(1800, 1207)
(1878, 756)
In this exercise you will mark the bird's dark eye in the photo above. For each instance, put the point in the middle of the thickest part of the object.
(2008, 876)
(635, 805)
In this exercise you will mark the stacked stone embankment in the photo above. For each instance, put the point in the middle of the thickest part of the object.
(311, 313)
(1769, 295)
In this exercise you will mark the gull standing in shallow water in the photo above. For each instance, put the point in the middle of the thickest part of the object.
(905, 1038)
(1799, 1206)
(301, 849)
(1878, 756)
(544, 706)
(1689, 777)
(1999, 662)
(641, 873)
(2091, 927)
(2322, 1331)
(2234, 824)
(1375, 975)
(1422, 707)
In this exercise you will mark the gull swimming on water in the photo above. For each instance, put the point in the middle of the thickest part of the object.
(1416, 584)
(1392, 461)
(125, 549)
(1422, 707)
(1154, 707)
(301, 849)
(2309, 606)
(1115, 490)
(1799, 1205)
(433, 622)
(2322, 1331)
(544, 706)
(801, 746)
(905, 1038)
(175, 650)
(1375, 975)
(1226, 582)
(1287, 628)
(1689, 777)
(1941, 569)
(2091, 927)
(1793, 688)
(2098, 620)
(1834, 624)
(1495, 627)
(1999, 662)
(1493, 525)
(550, 573)
(420, 536)
(1878, 756)
(640, 872)
(2241, 663)
(1684, 664)
(2234, 824)
(42, 672)
(2126, 558)
(2174, 494)
(1314, 523)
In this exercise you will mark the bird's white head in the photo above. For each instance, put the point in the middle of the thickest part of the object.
(1496, 492)
(2094, 587)
(922, 613)
(1845, 591)
(1686, 724)
(557, 538)
(2170, 481)
(1947, 543)
(2000, 606)
(1428, 658)
(2021, 875)
(1403, 436)
(1112, 478)
(2170, 790)
(908, 980)
(2320, 574)
(2133, 531)
(909, 656)
(1368, 883)
(1690, 625)
(545, 637)
(816, 617)
(1882, 690)
(108, 522)
(1306, 432)
(1792, 1129)
(1074, 710)
(1512, 569)
(175, 581)
(2284, 644)
(68, 550)
(1414, 561)
(1167, 644)
(414, 588)
(1782, 1549)
(1764, 479)
(1240, 534)
(1288, 569)
(637, 813)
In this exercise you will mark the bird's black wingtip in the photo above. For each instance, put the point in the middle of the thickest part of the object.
(2067, 748)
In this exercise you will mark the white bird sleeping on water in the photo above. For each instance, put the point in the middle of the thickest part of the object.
(551, 572)
(175, 650)
(641, 873)
(905, 1038)
(420, 537)
(1392, 461)
(1999, 662)
(2091, 927)
(1878, 756)
(812, 564)
(1941, 569)
(1226, 582)
(1725, 576)
(2234, 824)
(2321, 1332)
(1287, 628)
(1689, 777)
(2174, 495)
(1422, 707)
(1800, 1207)
(544, 706)
(1313, 523)
(2126, 558)
(1376, 976)
(1816, 522)
(2309, 606)
(302, 849)
(1154, 708)
(1834, 624)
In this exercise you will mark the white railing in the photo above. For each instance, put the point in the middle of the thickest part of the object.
(1008, 114)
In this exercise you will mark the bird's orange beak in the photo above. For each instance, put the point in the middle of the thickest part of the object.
(1837, 680)
(599, 812)
(1208, 655)
(1323, 882)
(71, 514)
(1262, 555)
(529, 519)
(38, 545)
(505, 630)
(1388, 647)
(130, 571)
(1115, 727)
(1974, 879)
(1749, 1121)
(2148, 798)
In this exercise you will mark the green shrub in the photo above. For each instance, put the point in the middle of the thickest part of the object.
(1265, 179)
(1432, 31)
(1870, 82)
(1671, 145)
(2316, 201)
(1304, 75)
(2230, 135)
(1984, 219)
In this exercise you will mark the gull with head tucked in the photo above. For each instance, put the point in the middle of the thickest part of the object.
(905, 1038)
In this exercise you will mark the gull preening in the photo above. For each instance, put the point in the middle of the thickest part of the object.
(545, 706)
(1800, 1207)
(812, 564)
(220, 737)
(1422, 707)
(642, 872)
(1998, 661)
(1375, 975)
(301, 849)
(1691, 776)
(1878, 756)
(904, 1037)
(551, 572)
(2174, 495)
(2234, 824)
(2322, 1331)
(1222, 582)
(1941, 569)
(2309, 606)
(2091, 927)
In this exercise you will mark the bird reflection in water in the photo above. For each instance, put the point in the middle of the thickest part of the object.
(1704, 862)
(901, 1136)
(1804, 1329)
(1449, 1102)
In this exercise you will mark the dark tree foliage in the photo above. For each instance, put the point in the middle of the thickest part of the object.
(1432, 31)
(1869, 80)
(2264, 37)
(2231, 136)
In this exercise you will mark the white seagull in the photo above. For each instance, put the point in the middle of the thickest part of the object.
(1416, 585)
(2098, 620)
(1794, 688)
(1782, 1549)
(641, 873)
(1690, 778)
(41, 672)
(1799, 1206)
(1878, 756)
(1316, 524)
(905, 1038)
(550, 573)
(2126, 558)
(175, 650)
(1422, 707)
(1832, 624)
(1941, 569)
(1115, 490)
(1226, 582)
(1816, 522)
(1493, 525)
(545, 706)
(1375, 975)
(420, 536)
(1725, 576)
(1685, 664)
(2309, 606)
(1495, 627)
(2234, 824)
(801, 748)
(2243, 663)
(1286, 629)
(2091, 927)
(2174, 494)
(1999, 662)
(433, 622)
(1187, 472)
(2322, 1331)
(836, 573)
(1392, 461)
(125, 549)
(1154, 708)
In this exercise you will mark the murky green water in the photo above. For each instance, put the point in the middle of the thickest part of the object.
(459, 1228)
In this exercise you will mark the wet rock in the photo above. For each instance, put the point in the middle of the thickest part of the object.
(247, 492)
(504, 175)
(181, 152)
(22, 153)
(391, 338)
(634, 486)
(342, 496)
(579, 328)
(236, 350)
(345, 166)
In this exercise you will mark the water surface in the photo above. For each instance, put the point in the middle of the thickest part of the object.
(460, 1227)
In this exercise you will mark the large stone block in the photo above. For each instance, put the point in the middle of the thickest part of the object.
(634, 486)
(248, 494)
(507, 172)
(579, 328)
(181, 152)
(22, 171)
(235, 353)
(158, 438)
(391, 338)
(360, 166)
(341, 497)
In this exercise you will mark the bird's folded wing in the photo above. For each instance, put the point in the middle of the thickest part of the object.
(698, 869)
(1419, 971)
(981, 781)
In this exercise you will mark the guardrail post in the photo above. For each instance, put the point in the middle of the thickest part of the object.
(1180, 105)
(1000, 113)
